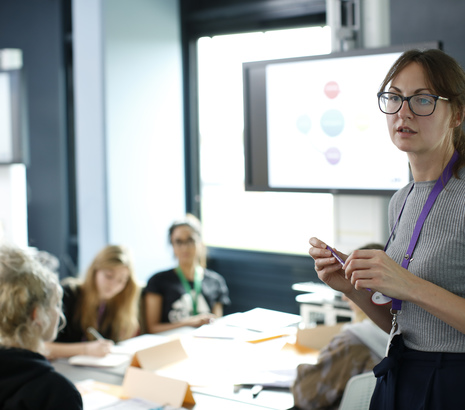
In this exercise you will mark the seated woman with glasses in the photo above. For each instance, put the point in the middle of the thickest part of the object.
(30, 306)
(189, 294)
(100, 310)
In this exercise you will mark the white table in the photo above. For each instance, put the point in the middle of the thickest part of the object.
(207, 398)
(321, 303)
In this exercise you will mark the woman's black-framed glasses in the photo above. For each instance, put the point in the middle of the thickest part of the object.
(420, 104)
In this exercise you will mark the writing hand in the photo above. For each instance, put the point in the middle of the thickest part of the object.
(98, 348)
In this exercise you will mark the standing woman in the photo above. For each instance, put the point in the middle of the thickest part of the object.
(190, 294)
(30, 306)
(107, 301)
(423, 266)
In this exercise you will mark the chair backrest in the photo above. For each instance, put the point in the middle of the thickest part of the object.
(358, 392)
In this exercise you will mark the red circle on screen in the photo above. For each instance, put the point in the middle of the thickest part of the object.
(332, 89)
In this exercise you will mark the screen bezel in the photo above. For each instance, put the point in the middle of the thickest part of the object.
(255, 119)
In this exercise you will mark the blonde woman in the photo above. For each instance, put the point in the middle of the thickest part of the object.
(106, 300)
(189, 294)
(30, 306)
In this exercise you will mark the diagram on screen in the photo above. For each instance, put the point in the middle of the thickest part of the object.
(324, 128)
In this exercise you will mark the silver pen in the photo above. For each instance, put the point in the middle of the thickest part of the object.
(94, 333)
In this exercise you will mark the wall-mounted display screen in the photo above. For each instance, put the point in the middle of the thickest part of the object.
(313, 124)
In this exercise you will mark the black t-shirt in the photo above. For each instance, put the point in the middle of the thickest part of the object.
(29, 382)
(177, 304)
(73, 332)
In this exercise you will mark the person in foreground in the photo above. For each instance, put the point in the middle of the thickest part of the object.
(356, 349)
(106, 301)
(190, 294)
(423, 266)
(30, 305)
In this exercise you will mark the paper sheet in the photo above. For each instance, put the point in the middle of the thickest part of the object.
(97, 400)
(110, 360)
(137, 343)
(261, 320)
(140, 404)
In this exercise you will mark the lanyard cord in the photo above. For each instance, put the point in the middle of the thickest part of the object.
(438, 187)
(187, 287)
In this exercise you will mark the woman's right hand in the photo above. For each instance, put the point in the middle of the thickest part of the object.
(327, 267)
(98, 348)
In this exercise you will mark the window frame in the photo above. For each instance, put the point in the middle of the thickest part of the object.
(207, 18)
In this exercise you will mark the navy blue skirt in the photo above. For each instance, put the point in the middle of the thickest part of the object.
(413, 380)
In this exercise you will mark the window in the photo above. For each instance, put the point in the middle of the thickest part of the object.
(231, 217)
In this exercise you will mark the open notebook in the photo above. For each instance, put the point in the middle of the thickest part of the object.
(121, 353)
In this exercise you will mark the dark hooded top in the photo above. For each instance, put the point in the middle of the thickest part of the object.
(29, 382)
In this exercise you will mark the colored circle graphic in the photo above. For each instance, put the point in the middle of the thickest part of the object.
(332, 89)
(333, 155)
(332, 122)
(304, 124)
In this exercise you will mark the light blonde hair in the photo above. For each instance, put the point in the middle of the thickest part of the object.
(25, 285)
(121, 311)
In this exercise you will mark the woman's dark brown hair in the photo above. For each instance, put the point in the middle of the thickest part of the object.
(446, 78)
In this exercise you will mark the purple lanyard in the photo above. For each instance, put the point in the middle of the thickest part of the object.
(440, 184)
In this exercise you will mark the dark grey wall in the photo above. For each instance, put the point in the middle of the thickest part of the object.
(37, 28)
(415, 21)
(261, 279)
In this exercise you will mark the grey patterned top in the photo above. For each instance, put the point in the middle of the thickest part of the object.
(439, 257)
